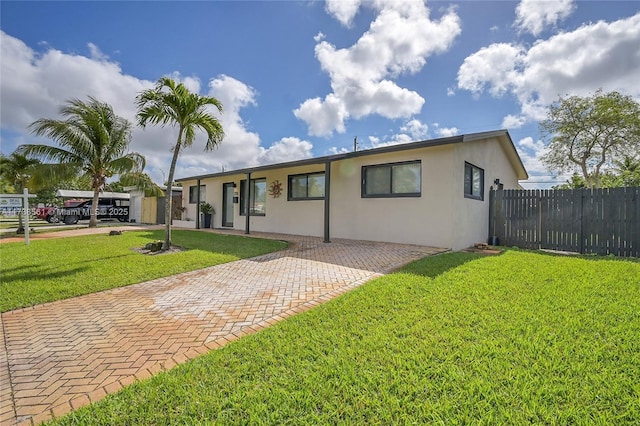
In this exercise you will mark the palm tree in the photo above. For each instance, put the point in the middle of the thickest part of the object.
(628, 170)
(171, 103)
(17, 169)
(92, 141)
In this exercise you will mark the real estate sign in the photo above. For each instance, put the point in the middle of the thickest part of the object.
(13, 202)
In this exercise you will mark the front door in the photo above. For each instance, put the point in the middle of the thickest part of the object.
(227, 204)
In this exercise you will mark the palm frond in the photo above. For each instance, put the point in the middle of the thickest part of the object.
(92, 140)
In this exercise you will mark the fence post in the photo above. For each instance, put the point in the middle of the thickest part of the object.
(581, 221)
(492, 219)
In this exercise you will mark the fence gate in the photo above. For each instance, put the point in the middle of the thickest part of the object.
(599, 221)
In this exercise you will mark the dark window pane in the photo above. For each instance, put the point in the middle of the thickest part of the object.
(473, 181)
(258, 200)
(378, 180)
(467, 179)
(298, 186)
(193, 194)
(259, 196)
(477, 183)
(316, 186)
(406, 178)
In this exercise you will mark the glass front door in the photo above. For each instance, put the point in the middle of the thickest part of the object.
(227, 204)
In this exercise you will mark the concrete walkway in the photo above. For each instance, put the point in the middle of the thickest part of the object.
(59, 356)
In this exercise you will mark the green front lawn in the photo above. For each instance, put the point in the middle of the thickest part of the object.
(521, 338)
(55, 269)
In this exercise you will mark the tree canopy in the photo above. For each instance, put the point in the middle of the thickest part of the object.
(589, 134)
(173, 104)
(93, 141)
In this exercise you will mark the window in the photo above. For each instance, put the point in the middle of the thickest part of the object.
(193, 194)
(473, 182)
(306, 187)
(258, 200)
(392, 180)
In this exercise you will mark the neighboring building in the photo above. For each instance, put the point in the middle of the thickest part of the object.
(150, 210)
(88, 195)
(433, 192)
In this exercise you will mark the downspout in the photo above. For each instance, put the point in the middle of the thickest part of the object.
(327, 193)
(247, 198)
(197, 203)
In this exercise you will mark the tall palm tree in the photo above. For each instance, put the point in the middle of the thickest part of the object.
(17, 169)
(93, 141)
(174, 104)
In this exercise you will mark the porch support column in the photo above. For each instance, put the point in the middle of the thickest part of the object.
(247, 202)
(197, 203)
(327, 193)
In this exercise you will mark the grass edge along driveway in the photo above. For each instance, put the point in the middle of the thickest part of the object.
(60, 268)
(521, 338)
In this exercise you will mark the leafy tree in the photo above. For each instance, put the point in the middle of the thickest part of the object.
(589, 134)
(625, 173)
(141, 181)
(174, 104)
(628, 171)
(17, 169)
(93, 141)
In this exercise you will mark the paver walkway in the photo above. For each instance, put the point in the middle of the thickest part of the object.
(60, 356)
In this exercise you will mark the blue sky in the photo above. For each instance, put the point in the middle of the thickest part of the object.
(300, 79)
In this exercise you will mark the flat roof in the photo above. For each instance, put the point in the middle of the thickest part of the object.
(72, 193)
(504, 135)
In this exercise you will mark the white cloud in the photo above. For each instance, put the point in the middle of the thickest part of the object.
(534, 16)
(286, 149)
(530, 152)
(493, 67)
(35, 85)
(412, 130)
(336, 150)
(513, 121)
(597, 55)
(398, 42)
(343, 10)
(445, 132)
(416, 129)
(96, 53)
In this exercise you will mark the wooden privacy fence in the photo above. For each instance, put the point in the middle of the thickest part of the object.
(599, 221)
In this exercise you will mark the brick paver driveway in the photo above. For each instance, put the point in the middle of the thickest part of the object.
(59, 356)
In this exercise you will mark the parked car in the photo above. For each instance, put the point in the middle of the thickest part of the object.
(51, 214)
(107, 209)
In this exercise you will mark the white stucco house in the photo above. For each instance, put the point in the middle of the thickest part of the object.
(433, 192)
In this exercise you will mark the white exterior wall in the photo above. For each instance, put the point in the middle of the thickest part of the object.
(471, 216)
(424, 220)
(440, 217)
(135, 205)
(304, 217)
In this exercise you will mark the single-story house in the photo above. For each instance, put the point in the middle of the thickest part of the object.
(433, 192)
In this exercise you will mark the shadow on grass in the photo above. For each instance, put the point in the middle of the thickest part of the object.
(37, 273)
(592, 257)
(435, 265)
(234, 245)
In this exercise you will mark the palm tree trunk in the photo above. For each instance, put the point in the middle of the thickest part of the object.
(93, 221)
(168, 204)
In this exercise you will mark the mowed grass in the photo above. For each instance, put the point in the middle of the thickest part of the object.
(521, 338)
(55, 269)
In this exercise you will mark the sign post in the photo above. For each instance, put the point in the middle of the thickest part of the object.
(21, 202)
